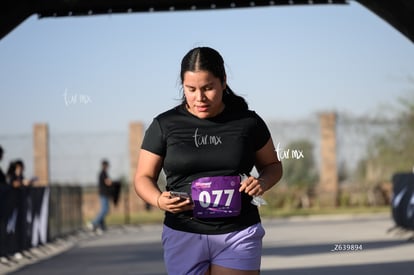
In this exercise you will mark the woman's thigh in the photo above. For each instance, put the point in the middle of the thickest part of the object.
(241, 250)
(219, 270)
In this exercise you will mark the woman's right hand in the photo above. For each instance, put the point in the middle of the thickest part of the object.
(173, 204)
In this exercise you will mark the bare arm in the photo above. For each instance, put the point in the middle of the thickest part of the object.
(269, 168)
(108, 181)
(148, 169)
(268, 165)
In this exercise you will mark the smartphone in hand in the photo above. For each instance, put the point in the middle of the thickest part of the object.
(182, 195)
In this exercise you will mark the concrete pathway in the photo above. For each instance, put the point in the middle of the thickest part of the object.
(317, 245)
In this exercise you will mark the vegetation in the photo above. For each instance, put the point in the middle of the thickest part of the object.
(300, 171)
(391, 152)
(142, 217)
(300, 176)
(387, 154)
(267, 212)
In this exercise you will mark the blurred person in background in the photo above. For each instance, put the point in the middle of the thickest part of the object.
(3, 179)
(21, 202)
(15, 174)
(4, 189)
(105, 194)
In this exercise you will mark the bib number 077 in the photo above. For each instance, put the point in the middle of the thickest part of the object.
(205, 197)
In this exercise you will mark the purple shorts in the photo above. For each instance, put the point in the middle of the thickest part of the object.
(190, 253)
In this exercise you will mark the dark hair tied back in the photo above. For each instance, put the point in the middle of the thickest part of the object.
(208, 59)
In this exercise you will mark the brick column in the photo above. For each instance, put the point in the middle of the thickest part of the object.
(328, 185)
(136, 130)
(41, 153)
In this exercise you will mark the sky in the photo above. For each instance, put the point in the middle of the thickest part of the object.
(99, 73)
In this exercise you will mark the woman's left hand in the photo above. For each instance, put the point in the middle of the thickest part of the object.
(252, 186)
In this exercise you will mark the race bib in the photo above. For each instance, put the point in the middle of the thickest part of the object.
(216, 197)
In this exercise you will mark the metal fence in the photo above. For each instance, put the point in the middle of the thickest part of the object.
(32, 216)
(65, 210)
(75, 157)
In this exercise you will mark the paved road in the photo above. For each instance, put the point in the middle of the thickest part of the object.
(293, 246)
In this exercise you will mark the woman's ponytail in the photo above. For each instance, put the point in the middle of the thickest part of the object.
(235, 102)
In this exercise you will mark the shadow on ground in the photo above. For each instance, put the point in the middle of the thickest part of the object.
(400, 268)
(328, 247)
(143, 258)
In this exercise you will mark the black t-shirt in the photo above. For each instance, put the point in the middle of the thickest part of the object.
(3, 179)
(193, 148)
(104, 189)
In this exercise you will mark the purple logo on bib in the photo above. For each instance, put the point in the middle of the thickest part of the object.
(216, 197)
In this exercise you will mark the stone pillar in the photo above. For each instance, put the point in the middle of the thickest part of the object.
(136, 130)
(41, 153)
(328, 185)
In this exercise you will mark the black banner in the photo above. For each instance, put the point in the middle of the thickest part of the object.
(23, 218)
(403, 200)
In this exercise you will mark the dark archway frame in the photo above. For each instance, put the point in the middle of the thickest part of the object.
(398, 13)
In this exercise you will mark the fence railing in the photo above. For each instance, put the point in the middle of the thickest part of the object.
(31, 216)
(65, 211)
